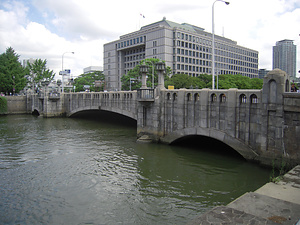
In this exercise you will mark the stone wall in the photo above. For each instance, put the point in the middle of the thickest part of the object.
(262, 125)
(16, 104)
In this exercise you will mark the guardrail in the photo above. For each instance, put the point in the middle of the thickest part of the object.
(145, 95)
(54, 96)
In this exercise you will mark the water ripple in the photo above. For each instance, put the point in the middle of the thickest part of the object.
(65, 171)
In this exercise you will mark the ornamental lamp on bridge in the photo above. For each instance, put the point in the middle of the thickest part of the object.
(58, 82)
(144, 70)
(160, 68)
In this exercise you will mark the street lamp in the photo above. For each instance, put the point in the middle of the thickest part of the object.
(160, 68)
(130, 81)
(213, 42)
(144, 70)
(62, 69)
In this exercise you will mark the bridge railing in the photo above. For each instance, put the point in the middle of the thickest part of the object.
(55, 96)
(145, 94)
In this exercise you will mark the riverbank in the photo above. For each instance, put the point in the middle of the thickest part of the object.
(273, 203)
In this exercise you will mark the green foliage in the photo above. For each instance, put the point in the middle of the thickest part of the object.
(38, 72)
(184, 81)
(238, 81)
(89, 79)
(12, 74)
(3, 105)
(135, 75)
(256, 83)
(278, 171)
(205, 81)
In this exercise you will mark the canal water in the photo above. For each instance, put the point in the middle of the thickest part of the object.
(86, 171)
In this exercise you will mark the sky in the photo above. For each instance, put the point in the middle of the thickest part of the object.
(51, 29)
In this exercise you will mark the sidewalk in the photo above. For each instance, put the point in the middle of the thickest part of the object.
(271, 204)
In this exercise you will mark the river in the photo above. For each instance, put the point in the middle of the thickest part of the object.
(80, 171)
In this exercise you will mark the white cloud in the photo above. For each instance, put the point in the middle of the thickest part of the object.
(46, 29)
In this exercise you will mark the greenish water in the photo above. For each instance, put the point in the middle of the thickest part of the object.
(78, 171)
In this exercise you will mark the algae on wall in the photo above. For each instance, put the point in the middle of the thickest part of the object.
(3, 105)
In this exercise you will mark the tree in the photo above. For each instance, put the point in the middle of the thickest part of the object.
(12, 74)
(89, 79)
(135, 75)
(184, 81)
(239, 81)
(256, 83)
(38, 72)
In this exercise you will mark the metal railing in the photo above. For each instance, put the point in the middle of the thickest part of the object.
(145, 94)
(54, 96)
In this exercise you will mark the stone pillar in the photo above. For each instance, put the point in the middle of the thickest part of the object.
(274, 86)
(160, 67)
(144, 81)
(144, 70)
(161, 81)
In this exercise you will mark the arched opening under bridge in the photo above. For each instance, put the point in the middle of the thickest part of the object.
(105, 117)
(35, 112)
(207, 144)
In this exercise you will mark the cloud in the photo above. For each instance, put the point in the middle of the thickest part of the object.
(74, 19)
(46, 29)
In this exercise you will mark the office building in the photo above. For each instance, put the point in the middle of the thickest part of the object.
(92, 69)
(26, 61)
(185, 48)
(284, 57)
(262, 73)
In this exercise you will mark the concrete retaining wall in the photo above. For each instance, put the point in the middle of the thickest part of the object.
(16, 104)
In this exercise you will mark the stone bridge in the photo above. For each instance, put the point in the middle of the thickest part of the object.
(262, 125)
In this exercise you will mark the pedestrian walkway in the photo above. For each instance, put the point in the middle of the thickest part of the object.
(273, 203)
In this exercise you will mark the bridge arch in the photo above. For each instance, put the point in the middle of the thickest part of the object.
(117, 111)
(35, 112)
(106, 116)
(239, 146)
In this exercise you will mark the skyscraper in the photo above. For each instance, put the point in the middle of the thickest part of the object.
(284, 57)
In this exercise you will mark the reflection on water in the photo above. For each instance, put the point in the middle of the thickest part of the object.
(75, 171)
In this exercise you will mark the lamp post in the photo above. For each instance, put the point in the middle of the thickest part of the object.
(58, 84)
(144, 70)
(152, 74)
(160, 68)
(130, 81)
(213, 42)
(62, 69)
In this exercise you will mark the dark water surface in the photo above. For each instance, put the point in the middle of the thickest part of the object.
(77, 171)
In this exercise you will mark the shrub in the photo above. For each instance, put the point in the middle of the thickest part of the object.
(3, 105)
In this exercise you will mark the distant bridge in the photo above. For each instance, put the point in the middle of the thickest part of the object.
(262, 125)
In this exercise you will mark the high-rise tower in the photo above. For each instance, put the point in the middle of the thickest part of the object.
(284, 57)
